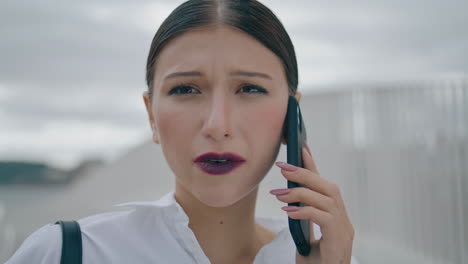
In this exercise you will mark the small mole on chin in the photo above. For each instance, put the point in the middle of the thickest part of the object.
(221, 222)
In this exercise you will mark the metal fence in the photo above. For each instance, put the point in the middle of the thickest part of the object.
(400, 153)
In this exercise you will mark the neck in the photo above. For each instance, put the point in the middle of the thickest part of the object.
(226, 234)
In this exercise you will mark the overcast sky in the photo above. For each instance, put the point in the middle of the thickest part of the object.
(72, 72)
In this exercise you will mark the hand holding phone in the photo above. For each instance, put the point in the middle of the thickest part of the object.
(296, 137)
(338, 231)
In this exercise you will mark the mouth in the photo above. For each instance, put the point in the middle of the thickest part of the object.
(218, 164)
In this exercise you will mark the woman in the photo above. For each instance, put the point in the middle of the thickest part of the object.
(219, 74)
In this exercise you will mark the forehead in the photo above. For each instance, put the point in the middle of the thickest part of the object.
(215, 49)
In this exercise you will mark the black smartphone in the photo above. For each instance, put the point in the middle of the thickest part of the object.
(295, 134)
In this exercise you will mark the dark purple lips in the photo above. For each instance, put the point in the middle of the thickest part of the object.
(217, 164)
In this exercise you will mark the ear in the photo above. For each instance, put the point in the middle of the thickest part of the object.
(298, 98)
(152, 122)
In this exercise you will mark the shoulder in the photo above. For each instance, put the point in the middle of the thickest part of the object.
(105, 221)
(283, 246)
(102, 234)
(42, 246)
(45, 244)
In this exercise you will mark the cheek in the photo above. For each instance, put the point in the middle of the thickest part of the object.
(173, 124)
(175, 128)
(268, 120)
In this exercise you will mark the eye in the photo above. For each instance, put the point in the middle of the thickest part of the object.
(182, 89)
(253, 89)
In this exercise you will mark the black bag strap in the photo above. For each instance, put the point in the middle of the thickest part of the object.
(71, 242)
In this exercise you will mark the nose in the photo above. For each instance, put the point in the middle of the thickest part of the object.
(217, 118)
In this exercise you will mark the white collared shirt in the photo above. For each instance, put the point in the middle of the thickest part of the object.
(153, 232)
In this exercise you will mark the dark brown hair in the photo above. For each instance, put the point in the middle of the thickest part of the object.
(249, 16)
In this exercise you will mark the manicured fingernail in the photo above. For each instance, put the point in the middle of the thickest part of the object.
(286, 166)
(280, 191)
(290, 208)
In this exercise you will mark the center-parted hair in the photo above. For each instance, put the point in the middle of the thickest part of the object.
(249, 16)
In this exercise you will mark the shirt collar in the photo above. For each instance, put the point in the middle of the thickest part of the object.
(167, 200)
(166, 205)
(177, 221)
(169, 204)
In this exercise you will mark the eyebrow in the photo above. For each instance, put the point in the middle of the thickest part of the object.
(236, 73)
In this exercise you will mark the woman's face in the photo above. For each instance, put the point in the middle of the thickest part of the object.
(220, 106)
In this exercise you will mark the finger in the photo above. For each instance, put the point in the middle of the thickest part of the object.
(308, 197)
(309, 163)
(308, 160)
(339, 200)
(315, 215)
(307, 179)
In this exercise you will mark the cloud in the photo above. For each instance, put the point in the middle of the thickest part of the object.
(72, 76)
(53, 44)
(367, 40)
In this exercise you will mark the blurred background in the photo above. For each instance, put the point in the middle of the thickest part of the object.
(385, 103)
